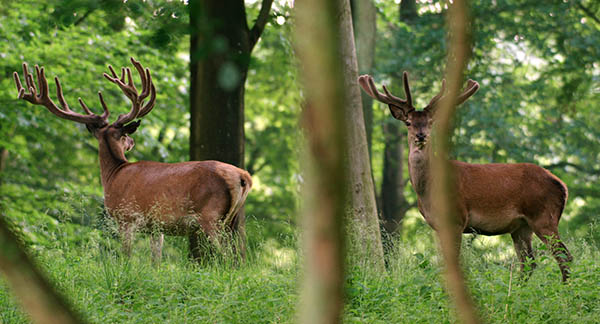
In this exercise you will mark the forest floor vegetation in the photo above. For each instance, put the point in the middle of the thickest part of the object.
(107, 287)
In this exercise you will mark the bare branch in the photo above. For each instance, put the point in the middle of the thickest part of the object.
(260, 23)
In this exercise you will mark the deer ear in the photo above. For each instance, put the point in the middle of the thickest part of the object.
(398, 112)
(131, 127)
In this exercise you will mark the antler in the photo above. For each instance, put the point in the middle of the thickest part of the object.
(472, 87)
(42, 98)
(367, 83)
(437, 97)
(137, 100)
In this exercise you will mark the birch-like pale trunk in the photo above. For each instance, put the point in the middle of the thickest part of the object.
(364, 233)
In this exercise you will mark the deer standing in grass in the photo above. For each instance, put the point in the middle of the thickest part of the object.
(189, 198)
(491, 199)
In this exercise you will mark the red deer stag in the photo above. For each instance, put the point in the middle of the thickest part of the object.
(189, 198)
(492, 199)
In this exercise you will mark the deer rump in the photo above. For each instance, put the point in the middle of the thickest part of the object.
(500, 198)
(177, 199)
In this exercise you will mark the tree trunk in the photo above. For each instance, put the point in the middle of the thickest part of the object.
(364, 19)
(365, 236)
(393, 202)
(220, 47)
(220, 51)
(317, 35)
(35, 293)
(444, 189)
(408, 10)
(364, 22)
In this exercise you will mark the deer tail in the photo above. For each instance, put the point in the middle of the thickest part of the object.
(239, 190)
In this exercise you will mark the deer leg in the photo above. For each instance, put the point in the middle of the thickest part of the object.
(238, 231)
(522, 242)
(127, 231)
(156, 244)
(560, 252)
(200, 246)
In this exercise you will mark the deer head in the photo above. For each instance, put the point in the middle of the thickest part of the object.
(419, 122)
(116, 134)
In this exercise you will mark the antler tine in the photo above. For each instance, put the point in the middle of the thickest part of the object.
(42, 97)
(367, 83)
(29, 80)
(142, 73)
(43, 89)
(378, 95)
(407, 89)
(60, 96)
(150, 104)
(364, 84)
(106, 113)
(391, 96)
(472, 87)
(438, 96)
(129, 89)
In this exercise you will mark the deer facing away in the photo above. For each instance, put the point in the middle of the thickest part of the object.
(194, 198)
(497, 198)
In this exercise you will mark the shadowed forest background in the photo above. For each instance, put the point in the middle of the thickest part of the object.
(539, 69)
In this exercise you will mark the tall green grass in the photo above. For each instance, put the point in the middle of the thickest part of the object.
(107, 287)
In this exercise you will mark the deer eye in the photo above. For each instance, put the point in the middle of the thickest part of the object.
(407, 123)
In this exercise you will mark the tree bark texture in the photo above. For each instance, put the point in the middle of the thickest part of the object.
(393, 202)
(408, 10)
(33, 291)
(364, 19)
(220, 46)
(221, 43)
(316, 42)
(364, 232)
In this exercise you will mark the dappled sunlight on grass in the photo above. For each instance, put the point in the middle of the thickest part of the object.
(277, 256)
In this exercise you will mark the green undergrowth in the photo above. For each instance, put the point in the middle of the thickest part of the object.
(412, 289)
(106, 287)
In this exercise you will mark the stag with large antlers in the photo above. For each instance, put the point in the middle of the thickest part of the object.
(517, 199)
(197, 198)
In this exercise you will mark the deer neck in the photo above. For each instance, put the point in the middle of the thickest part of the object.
(418, 168)
(111, 157)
